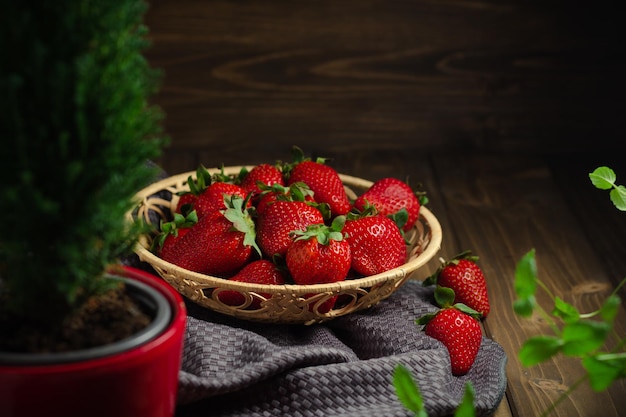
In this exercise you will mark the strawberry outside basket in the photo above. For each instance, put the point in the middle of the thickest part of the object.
(293, 304)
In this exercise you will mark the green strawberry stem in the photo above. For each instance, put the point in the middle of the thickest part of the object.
(242, 221)
(324, 234)
(445, 299)
(180, 221)
(202, 181)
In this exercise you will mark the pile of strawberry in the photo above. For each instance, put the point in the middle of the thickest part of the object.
(287, 223)
(461, 293)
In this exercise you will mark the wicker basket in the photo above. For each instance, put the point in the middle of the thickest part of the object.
(281, 303)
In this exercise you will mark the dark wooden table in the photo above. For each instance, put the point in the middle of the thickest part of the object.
(500, 108)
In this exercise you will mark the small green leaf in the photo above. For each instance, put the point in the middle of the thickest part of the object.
(538, 349)
(466, 407)
(583, 337)
(425, 318)
(567, 312)
(602, 373)
(618, 197)
(524, 307)
(526, 275)
(603, 178)
(408, 392)
(444, 296)
(609, 309)
(468, 310)
(338, 223)
(400, 217)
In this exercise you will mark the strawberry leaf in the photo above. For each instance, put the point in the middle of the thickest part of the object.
(241, 219)
(202, 181)
(400, 217)
(324, 234)
(425, 318)
(180, 221)
(444, 296)
(466, 254)
(467, 310)
(299, 191)
(338, 223)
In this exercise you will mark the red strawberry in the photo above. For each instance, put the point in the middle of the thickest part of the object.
(172, 232)
(319, 255)
(212, 199)
(376, 244)
(219, 244)
(466, 279)
(265, 174)
(258, 272)
(388, 196)
(278, 220)
(459, 332)
(325, 183)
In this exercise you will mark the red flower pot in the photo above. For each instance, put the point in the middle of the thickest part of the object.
(136, 379)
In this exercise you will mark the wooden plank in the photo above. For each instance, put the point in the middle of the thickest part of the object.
(500, 207)
(359, 74)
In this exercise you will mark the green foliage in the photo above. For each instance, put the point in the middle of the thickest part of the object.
(409, 394)
(604, 178)
(77, 130)
(574, 334)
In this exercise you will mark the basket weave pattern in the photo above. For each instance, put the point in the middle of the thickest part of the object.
(281, 303)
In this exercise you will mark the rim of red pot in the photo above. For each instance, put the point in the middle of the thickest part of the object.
(156, 304)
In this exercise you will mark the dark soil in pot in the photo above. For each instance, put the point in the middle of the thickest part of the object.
(103, 319)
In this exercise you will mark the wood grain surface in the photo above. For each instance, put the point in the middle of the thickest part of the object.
(241, 76)
(498, 108)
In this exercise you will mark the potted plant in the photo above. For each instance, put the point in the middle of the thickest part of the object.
(77, 129)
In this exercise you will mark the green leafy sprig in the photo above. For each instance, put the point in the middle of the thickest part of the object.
(575, 334)
(604, 178)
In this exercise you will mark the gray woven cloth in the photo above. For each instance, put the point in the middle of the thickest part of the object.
(340, 368)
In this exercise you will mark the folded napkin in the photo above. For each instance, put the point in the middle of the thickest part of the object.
(343, 367)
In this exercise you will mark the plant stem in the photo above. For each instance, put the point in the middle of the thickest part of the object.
(546, 289)
(621, 284)
(611, 356)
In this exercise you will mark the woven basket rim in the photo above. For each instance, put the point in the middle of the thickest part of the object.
(431, 249)
(426, 215)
